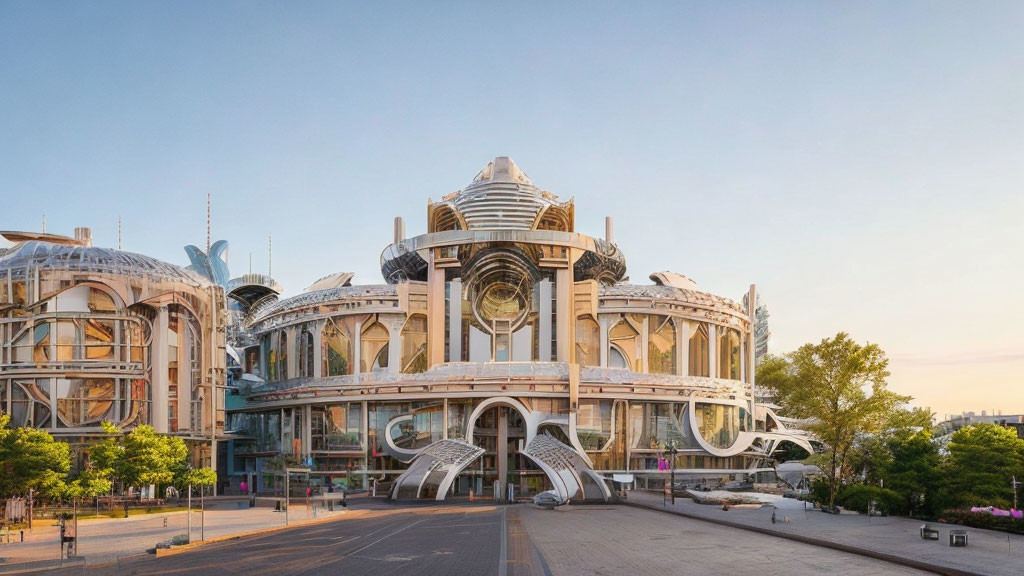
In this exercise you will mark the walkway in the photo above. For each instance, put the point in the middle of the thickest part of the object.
(989, 553)
(106, 541)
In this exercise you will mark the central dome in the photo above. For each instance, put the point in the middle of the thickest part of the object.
(501, 197)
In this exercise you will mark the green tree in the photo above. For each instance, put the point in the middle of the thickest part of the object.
(143, 457)
(196, 477)
(982, 460)
(31, 458)
(840, 387)
(914, 472)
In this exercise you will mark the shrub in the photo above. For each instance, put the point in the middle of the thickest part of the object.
(986, 521)
(859, 497)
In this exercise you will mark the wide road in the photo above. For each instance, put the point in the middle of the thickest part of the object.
(443, 540)
(523, 540)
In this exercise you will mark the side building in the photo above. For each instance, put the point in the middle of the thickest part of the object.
(504, 348)
(89, 334)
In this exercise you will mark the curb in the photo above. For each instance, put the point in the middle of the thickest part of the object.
(162, 552)
(885, 557)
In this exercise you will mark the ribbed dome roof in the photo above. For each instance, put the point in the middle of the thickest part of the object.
(48, 256)
(501, 197)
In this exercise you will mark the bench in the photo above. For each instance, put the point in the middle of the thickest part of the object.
(929, 533)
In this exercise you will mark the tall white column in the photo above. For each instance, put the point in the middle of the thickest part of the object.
(645, 339)
(394, 325)
(544, 322)
(455, 320)
(713, 350)
(184, 376)
(564, 319)
(318, 352)
(605, 323)
(357, 344)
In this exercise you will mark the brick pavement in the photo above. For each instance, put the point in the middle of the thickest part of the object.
(989, 552)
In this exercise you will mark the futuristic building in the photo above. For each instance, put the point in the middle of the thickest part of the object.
(89, 334)
(504, 348)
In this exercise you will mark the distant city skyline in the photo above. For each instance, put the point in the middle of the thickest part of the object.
(859, 163)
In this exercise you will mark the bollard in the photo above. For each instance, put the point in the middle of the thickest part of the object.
(165, 521)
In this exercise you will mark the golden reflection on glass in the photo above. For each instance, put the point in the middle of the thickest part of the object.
(729, 354)
(414, 344)
(699, 358)
(661, 345)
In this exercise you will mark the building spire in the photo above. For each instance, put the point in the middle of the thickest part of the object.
(44, 223)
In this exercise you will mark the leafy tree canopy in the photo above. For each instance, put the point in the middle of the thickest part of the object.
(31, 458)
(982, 460)
(840, 387)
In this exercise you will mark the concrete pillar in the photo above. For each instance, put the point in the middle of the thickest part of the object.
(318, 352)
(357, 344)
(394, 325)
(435, 314)
(544, 322)
(713, 350)
(184, 376)
(307, 429)
(682, 347)
(455, 320)
(605, 323)
(564, 318)
(609, 229)
(502, 448)
(645, 339)
(293, 332)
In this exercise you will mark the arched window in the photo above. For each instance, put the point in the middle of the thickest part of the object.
(306, 353)
(616, 359)
(699, 351)
(373, 341)
(626, 338)
(282, 355)
(414, 344)
(661, 345)
(588, 342)
(336, 343)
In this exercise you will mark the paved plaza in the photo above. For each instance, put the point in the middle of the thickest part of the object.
(614, 540)
(377, 537)
(989, 552)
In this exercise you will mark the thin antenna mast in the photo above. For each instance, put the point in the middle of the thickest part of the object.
(207, 223)
(270, 255)
(119, 232)
(44, 223)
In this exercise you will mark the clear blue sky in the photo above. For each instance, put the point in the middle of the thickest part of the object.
(863, 163)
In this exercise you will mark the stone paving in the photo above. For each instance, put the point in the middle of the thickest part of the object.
(619, 540)
(105, 541)
(989, 552)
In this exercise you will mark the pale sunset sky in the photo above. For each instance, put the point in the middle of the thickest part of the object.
(861, 162)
